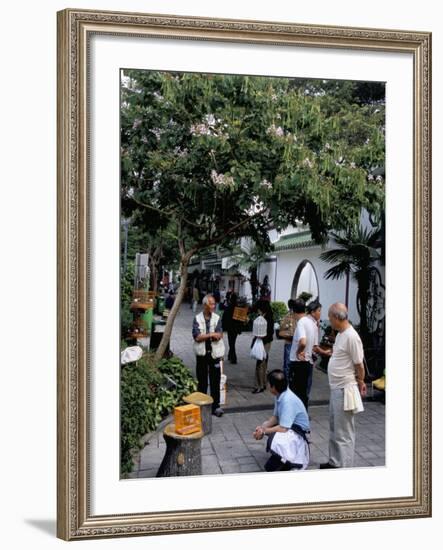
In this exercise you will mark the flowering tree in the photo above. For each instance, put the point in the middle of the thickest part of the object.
(212, 158)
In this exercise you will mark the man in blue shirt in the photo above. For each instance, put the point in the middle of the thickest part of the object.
(289, 414)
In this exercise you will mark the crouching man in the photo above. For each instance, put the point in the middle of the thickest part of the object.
(286, 428)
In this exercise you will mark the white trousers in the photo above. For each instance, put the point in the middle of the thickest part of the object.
(341, 431)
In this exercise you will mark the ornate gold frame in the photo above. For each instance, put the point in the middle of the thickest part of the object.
(74, 30)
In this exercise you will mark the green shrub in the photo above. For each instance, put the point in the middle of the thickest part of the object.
(279, 310)
(149, 392)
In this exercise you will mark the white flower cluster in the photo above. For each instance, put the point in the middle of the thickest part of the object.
(378, 179)
(222, 180)
(158, 132)
(308, 162)
(137, 122)
(181, 152)
(210, 126)
(256, 206)
(276, 131)
(267, 184)
(340, 161)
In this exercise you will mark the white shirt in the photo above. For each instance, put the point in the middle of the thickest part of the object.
(347, 352)
(306, 328)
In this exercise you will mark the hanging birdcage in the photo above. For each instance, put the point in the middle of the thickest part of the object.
(260, 327)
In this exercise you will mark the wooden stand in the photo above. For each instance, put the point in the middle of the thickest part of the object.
(183, 454)
(204, 401)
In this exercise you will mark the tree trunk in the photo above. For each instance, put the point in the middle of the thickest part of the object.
(153, 264)
(183, 454)
(174, 310)
(347, 290)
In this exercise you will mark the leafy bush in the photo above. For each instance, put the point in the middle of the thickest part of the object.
(126, 288)
(149, 392)
(279, 310)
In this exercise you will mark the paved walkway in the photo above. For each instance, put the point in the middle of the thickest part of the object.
(230, 448)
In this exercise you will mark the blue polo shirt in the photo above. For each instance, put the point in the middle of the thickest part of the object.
(289, 409)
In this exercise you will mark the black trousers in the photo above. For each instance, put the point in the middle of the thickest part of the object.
(298, 379)
(232, 337)
(207, 366)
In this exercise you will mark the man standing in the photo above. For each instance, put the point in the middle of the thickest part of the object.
(347, 384)
(300, 354)
(209, 350)
(312, 348)
(286, 332)
(286, 428)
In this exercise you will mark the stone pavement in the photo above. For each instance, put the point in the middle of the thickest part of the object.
(230, 448)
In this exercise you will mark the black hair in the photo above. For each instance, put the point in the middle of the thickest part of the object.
(299, 306)
(265, 307)
(291, 304)
(312, 306)
(277, 380)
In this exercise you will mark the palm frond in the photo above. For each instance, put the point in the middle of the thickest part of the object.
(338, 271)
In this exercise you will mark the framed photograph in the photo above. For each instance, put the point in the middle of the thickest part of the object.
(248, 152)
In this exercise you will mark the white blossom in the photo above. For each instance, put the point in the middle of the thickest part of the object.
(378, 178)
(353, 165)
(136, 123)
(181, 152)
(255, 207)
(370, 177)
(210, 126)
(157, 132)
(265, 183)
(222, 180)
(307, 162)
(275, 131)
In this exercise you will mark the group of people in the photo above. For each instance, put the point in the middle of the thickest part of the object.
(288, 427)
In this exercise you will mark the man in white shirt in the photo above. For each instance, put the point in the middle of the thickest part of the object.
(347, 385)
(304, 340)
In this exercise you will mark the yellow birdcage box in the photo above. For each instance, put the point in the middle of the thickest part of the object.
(187, 419)
(240, 314)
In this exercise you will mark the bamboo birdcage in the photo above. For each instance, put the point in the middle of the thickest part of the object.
(240, 314)
(260, 327)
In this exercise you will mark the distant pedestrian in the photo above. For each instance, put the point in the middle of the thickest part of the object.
(209, 350)
(286, 332)
(263, 307)
(232, 327)
(195, 299)
(346, 375)
(286, 428)
(170, 299)
(223, 303)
